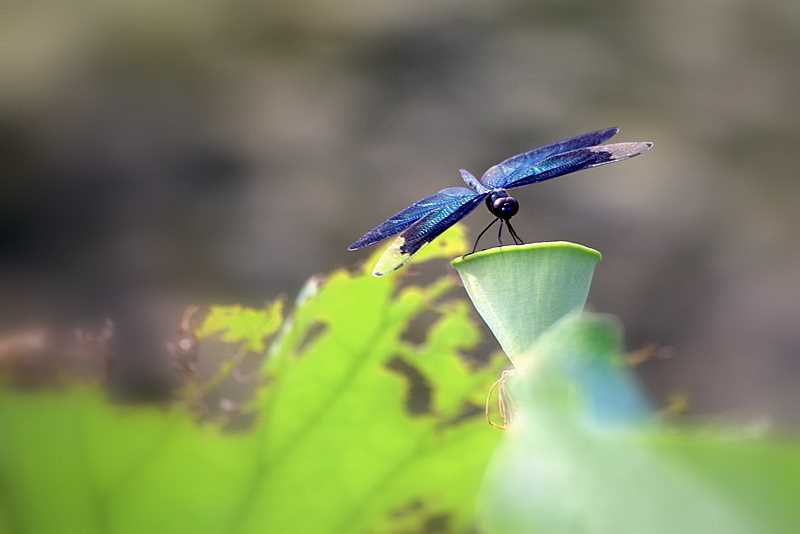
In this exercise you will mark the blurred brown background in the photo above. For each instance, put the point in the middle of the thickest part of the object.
(156, 154)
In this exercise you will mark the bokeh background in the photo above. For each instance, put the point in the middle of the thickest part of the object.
(160, 154)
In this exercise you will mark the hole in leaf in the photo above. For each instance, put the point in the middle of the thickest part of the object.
(480, 354)
(416, 332)
(311, 335)
(437, 524)
(419, 396)
(468, 411)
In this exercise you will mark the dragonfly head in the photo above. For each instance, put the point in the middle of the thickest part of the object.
(501, 204)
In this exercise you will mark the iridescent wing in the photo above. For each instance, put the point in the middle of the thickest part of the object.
(506, 171)
(577, 160)
(419, 209)
(426, 230)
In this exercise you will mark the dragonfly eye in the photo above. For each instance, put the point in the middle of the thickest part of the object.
(505, 207)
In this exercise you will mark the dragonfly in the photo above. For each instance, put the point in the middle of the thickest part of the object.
(426, 219)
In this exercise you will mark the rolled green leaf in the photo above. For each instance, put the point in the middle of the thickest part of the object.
(520, 291)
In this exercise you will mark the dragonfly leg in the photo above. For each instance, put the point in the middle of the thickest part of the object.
(500, 234)
(475, 247)
(517, 239)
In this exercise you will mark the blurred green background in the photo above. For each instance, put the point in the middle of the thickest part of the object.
(157, 154)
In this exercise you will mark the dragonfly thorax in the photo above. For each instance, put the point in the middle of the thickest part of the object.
(501, 204)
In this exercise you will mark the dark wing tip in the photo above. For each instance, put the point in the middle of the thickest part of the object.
(649, 144)
(363, 242)
(607, 133)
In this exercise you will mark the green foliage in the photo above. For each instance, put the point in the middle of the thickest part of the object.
(243, 325)
(353, 427)
(584, 456)
(335, 445)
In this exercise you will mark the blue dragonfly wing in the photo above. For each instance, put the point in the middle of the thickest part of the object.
(577, 160)
(500, 175)
(405, 218)
(424, 231)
